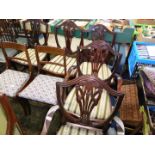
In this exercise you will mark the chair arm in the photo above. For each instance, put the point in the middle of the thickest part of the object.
(69, 72)
(119, 81)
(48, 119)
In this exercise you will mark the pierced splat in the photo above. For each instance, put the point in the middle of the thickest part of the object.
(87, 98)
(69, 28)
(97, 53)
(99, 31)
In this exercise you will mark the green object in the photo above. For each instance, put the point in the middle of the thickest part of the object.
(54, 24)
(146, 128)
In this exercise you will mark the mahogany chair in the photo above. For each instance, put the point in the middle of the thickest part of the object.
(6, 34)
(13, 81)
(65, 36)
(97, 57)
(88, 108)
(43, 86)
(33, 30)
(59, 62)
(8, 121)
(101, 32)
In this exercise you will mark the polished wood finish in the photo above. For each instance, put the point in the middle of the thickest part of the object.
(87, 99)
(11, 117)
(35, 30)
(98, 53)
(98, 33)
(51, 51)
(19, 48)
(69, 29)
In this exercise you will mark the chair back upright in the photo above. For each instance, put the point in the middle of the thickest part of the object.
(50, 51)
(98, 53)
(18, 48)
(89, 91)
(101, 32)
(69, 29)
(33, 29)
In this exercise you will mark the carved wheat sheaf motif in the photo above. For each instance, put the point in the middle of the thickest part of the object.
(87, 98)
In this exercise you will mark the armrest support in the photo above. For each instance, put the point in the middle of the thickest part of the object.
(71, 72)
(119, 81)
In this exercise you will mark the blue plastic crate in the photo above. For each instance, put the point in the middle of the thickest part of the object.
(135, 59)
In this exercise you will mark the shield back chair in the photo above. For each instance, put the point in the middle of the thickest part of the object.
(66, 36)
(88, 108)
(33, 30)
(8, 121)
(13, 81)
(101, 32)
(97, 57)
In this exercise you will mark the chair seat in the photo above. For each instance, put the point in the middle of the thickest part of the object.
(42, 89)
(12, 81)
(10, 53)
(74, 130)
(101, 111)
(59, 69)
(104, 71)
(31, 55)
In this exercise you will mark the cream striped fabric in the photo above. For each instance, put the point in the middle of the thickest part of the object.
(31, 55)
(101, 111)
(72, 130)
(61, 39)
(59, 69)
(104, 72)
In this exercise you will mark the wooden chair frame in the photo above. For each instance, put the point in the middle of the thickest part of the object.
(69, 28)
(98, 33)
(51, 51)
(33, 34)
(90, 82)
(11, 117)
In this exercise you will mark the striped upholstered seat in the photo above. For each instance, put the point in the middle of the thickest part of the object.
(59, 69)
(104, 71)
(75, 130)
(31, 55)
(101, 111)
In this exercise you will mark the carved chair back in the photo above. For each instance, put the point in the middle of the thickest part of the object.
(69, 30)
(100, 32)
(98, 53)
(89, 89)
(6, 31)
(33, 29)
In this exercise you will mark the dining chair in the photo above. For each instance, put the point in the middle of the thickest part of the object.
(101, 32)
(33, 30)
(59, 62)
(98, 57)
(88, 107)
(13, 81)
(6, 34)
(8, 120)
(43, 86)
